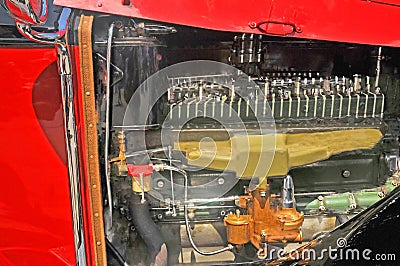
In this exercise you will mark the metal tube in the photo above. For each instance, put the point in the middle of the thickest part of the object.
(107, 134)
(114, 66)
(378, 66)
(137, 153)
(227, 248)
(172, 181)
(230, 198)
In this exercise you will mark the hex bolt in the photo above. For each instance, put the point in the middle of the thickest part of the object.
(160, 183)
(346, 173)
(238, 214)
(321, 207)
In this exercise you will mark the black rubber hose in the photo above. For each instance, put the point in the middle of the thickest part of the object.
(114, 252)
(148, 230)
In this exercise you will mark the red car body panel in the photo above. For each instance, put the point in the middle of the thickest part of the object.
(35, 207)
(355, 21)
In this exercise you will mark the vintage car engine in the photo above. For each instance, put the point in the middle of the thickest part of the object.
(217, 142)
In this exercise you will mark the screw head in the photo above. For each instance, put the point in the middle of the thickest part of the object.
(346, 173)
(160, 184)
(252, 24)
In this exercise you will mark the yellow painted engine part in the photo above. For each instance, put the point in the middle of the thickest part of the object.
(274, 154)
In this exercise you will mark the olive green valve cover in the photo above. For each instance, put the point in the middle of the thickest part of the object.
(274, 154)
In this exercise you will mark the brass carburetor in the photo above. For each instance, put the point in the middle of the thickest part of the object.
(269, 219)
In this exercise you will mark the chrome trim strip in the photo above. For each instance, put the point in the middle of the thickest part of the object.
(72, 151)
(48, 37)
(26, 7)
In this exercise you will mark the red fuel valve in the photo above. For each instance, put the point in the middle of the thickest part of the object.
(137, 170)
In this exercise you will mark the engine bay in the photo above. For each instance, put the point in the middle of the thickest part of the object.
(216, 147)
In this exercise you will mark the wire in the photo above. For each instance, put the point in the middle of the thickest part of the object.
(189, 234)
(115, 253)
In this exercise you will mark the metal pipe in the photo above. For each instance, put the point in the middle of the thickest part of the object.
(114, 66)
(198, 207)
(137, 153)
(230, 198)
(227, 248)
(378, 66)
(171, 175)
(107, 133)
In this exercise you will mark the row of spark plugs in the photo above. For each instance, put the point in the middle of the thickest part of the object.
(298, 86)
(246, 48)
(200, 91)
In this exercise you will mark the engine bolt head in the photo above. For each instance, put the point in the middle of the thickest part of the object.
(191, 214)
(160, 184)
(221, 181)
(346, 173)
